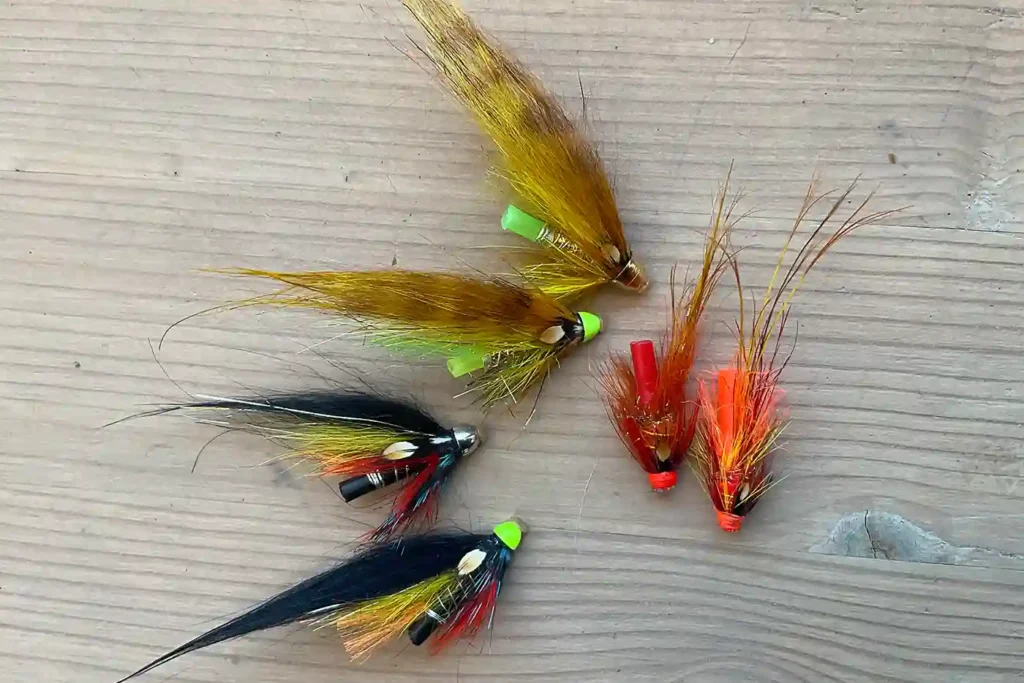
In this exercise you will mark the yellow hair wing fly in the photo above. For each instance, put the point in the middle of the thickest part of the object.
(518, 333)
(548, 163)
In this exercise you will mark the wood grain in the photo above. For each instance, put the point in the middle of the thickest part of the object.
(143, 141)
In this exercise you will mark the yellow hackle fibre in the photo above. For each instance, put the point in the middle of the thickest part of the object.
(375, 622)
(331, 447)
(341, 449)
(548, 163)
(515, 330)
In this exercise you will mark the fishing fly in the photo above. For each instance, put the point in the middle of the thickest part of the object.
(439, 585)
(741, 419)
(565, 203)
(507, 337)
(646, 394)
(371, 441)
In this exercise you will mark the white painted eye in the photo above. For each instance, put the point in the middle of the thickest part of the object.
(400, 450)
(471, 560)
(611, 252)
(743, 493)
(553, 334)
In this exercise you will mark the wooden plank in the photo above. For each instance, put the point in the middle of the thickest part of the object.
(143, 141)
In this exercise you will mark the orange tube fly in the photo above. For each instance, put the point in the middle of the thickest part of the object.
(741, 419)
(646, 395)
(565, 203)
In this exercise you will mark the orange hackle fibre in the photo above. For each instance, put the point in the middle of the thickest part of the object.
(647, 394)
(565, 202)
(740, 418)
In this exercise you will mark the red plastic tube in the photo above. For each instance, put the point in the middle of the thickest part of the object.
(645, 368)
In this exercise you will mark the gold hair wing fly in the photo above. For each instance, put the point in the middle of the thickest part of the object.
(567, 206)
(740, 417)
(510, 336)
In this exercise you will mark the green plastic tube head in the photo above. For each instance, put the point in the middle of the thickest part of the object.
(521, 223)
(591, 325)
(511, 532)
(465, 363)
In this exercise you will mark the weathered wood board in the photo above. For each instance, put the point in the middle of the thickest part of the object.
(143, 141)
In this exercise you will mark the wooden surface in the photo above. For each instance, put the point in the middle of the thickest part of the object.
(144, 140)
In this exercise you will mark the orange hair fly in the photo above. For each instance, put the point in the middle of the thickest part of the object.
(646, 394)
(741, 419)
